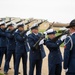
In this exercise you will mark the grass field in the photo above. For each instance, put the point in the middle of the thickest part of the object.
(1, 74)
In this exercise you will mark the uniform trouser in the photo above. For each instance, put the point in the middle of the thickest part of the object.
(3, 51)
(0, 55)
(9, 55)
(38, 64)
(17, 62)
(68, 73)
(55, 69)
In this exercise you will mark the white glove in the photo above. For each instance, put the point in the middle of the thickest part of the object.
(45, 33)
(41, 42)
(63, 37)
(28, 32)
(65, 70)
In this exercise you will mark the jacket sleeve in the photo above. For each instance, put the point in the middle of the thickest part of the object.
(59, 42)
(18, 37)
(66, 52)
(30, 42)
(53, 44)
(50, 44)
(25, 37)
(2, 33)
(9, 35)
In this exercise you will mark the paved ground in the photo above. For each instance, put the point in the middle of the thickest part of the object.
(44, 67)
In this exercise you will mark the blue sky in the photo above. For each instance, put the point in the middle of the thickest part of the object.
(52, 10)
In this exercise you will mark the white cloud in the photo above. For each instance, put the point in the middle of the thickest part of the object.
(53, 10)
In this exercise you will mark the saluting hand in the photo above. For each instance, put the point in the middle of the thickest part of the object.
(63, 37)
(28, 32)
(66, 70)
(41, 42)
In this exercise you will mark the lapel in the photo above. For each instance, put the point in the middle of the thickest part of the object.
(35, 37)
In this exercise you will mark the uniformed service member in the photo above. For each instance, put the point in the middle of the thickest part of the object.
(3, 41)
(69, 51)
(20, 50)
(0, 52)
(10, 47)
(54, 57)
(36, 55)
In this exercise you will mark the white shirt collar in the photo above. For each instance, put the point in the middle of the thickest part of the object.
(72, 33)
(36, 33)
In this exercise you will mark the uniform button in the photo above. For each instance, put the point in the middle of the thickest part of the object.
(51, 56)
(33, 51)
(57, 43)
(58, 53)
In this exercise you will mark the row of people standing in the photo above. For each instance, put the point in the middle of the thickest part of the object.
(11, 43)
(16, 44)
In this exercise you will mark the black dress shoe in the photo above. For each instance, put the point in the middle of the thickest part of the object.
(19, 72)
(9, 68)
